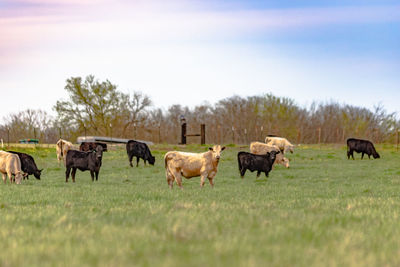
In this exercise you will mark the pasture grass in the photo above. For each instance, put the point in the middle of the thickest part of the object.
(323, 211)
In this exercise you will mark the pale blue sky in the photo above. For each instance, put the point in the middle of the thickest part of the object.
(188, 52)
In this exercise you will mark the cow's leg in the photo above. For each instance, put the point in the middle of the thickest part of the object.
(203, 179)
(73, 174)
(10, 176)
(211, 181)
(97, 175)
(4, 177)
(258, 174)
(170, 178)
(137, 161)
(67, 172)
(144, 162)
(242, 172)
(362, 155)
(130, 160)
(352, 153)
(178, 177)
(92, 175)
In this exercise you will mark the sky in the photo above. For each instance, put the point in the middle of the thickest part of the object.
(191, 51)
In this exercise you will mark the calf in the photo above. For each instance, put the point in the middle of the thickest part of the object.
(361, 146)
(253, 162)
(83, 161)
(190, 165)
(262, 149)
(90, 146)
(28, 165)
(139, 150)
(10, 164)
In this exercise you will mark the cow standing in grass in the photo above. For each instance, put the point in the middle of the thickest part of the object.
(84, 161)
(140, 151)
(281, 142)
(62, 147)
(188, 165)
(10, 165)
(361, 146)
(253, 162)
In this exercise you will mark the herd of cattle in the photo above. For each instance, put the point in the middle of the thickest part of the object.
(262, 157)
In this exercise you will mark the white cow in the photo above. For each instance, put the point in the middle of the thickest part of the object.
(62, 148)
(190, 165)
(10, 165)
(283, 144)
(262, 149)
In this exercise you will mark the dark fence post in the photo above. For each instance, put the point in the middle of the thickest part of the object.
(203, 134)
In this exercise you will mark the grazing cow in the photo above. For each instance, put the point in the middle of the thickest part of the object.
(10, 164)
(190, 165)
(139, 150)
(361, 146)
(84, 161)
(62, 147)
(259, 148)
(28, 165)
(90, 146)
(253, 162)
(283, 144)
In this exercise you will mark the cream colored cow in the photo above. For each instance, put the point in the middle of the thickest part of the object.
(190, 165)
(62, 148)
(283, 144)
(262, 149)
(10, 165)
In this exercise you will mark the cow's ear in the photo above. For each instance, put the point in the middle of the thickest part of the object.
(223, 148)
(210, 148)
(40, 171)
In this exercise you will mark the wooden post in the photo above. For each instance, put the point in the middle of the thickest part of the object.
(8, 137)
(203, 134)
(183, 133)
(319, 137)
(397, 141)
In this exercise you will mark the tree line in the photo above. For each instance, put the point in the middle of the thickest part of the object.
(98, 108)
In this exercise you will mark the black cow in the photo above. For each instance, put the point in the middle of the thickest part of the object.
(253, 162)
(28, 165)
(139, 150)
(90, 146)
(361, 146)
(84, 161)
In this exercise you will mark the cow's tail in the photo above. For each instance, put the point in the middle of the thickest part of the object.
(239, 162)
(167, 157)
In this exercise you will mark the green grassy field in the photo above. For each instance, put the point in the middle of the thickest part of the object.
(323, 211)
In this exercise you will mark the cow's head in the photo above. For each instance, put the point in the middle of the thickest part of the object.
(18, 177)
(216, 151)
(152, 160)
(37, 174)
(99, 152)
(376, 155)
(272, 155)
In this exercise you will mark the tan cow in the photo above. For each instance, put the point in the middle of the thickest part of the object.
(10, 165)
(190, 165)
(262, 149)
(62, 148)
(283, 144)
